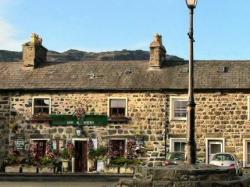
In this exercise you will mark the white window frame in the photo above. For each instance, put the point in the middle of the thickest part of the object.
(126, 100)
(41, 97)
(214, 139)
(173, 140)
(245, 140)
(171, 112)
(248, 107)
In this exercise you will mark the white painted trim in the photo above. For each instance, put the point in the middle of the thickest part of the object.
(173, 140)
(79, 139)
(248, 107)
(214, 139)
(73, 158)
(171, 111)
(126, 100)
(245, 140)
(41, 97)
(39, 139)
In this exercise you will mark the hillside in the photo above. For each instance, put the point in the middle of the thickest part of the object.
(76, 55)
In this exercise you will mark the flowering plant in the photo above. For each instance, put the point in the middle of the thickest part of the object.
(68, 151)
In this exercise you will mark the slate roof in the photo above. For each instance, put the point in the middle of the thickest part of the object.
(124, 75)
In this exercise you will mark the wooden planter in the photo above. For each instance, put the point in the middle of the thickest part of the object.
(12, 169)
(124, 170)
(111, 170)
(29, 169)
(46, 170)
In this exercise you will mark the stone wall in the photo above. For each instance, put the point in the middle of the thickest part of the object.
(145, 110)
(4, 121)
(218, 115)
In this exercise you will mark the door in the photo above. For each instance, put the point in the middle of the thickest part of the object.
(214, 146)
(81, 156)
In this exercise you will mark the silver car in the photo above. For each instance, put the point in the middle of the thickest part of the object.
(227, 160)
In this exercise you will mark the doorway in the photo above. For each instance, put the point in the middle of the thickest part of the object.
(214, 146)
(81, 156)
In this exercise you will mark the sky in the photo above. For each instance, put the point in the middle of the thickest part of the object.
(221, 27)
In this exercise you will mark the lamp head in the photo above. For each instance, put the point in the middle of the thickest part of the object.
(78, 131)
(191, 3)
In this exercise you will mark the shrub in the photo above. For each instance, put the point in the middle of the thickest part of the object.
(98, 153)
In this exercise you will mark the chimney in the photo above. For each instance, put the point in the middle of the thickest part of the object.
(157, 52)
(33, 52)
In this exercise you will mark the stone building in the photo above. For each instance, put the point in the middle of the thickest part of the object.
(143, 102)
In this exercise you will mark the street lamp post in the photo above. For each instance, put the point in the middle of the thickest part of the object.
(191, 144)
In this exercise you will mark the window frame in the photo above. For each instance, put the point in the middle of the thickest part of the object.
(172, 101)
(116, 98)
(248, 107)
(40, 97)
(125, 144)
(174, 140)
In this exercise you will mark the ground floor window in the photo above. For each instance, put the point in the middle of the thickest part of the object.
(213, 146)
(246, 153)
(39, 148)
(177, 144)
(117, 148)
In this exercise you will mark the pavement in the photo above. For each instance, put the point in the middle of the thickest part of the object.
(76, 177)
(56, 184)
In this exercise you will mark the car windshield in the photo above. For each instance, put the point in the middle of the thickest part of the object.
(223, 157)
(175, 156)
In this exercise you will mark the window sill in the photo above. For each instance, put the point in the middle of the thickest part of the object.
(118, 119)
(178, 119)
(40, 118)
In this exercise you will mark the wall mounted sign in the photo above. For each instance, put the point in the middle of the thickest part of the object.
(20, 144)
(70, 120)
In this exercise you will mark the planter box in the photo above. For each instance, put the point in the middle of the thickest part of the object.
(12, 169)
(29, 169)
(100, 166)
(127, 170)
(65, 165)
(46, 170)
(110, 170)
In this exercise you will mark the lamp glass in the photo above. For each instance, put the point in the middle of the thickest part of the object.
(78, 131)
(191, 3)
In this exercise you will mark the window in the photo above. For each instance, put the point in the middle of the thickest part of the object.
(178, 108)
(248, 103)
(41, 105)
(177, 144)
(39, 147)
(117, 107)
(213, 145)
(117, 148)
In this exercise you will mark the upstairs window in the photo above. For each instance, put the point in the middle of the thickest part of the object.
(248, 101)
(178, 108)
(41, 105)
(117, 108)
